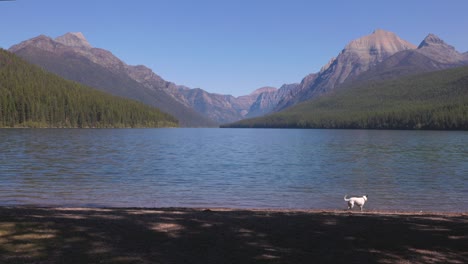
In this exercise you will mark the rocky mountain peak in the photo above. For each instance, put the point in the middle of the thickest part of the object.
(433, 40)
(71, 44)
(379, 42)
(74, 39)
(435, 48)
(361, 54)
(358, 56)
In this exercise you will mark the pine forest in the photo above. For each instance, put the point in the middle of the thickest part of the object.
(32, 97)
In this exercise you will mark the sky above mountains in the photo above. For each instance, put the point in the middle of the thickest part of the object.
(231, 47)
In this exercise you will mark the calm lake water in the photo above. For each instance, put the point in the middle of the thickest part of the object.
(242, 168)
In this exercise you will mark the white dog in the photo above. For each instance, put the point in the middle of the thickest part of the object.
(359, 201)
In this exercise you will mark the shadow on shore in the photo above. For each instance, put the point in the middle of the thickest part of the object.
(54, 235)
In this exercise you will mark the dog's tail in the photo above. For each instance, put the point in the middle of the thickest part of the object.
(346, 198)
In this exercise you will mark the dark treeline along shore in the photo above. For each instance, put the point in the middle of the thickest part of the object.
(32, 97)
(437, 100)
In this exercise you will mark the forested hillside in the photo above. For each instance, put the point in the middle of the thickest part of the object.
(32, 97)
(74, 59)
(437, 100)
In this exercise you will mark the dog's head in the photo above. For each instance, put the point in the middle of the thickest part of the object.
(365, 197)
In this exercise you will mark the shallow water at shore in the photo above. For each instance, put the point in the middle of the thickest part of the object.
(239, 168)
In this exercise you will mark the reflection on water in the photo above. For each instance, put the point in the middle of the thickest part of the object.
(246, 168)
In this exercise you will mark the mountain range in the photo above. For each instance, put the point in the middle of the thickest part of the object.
(381, 55)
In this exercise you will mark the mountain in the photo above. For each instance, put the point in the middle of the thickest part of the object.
(360, 55)
(357, 57)
(432, 54)
(227, 108)
(435, 48)
(268, 99)
(256, 101)
(73, 58)
(220, 108)
(224, 108)
(433, 100)
(381, 55)
(74, 39)
(32, 97)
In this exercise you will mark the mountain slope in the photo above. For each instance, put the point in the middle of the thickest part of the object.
(225, 108)
(267, 100)
(215, 106)
(32, 97)
(435, 100)
(357, 57)
(432, 54)
(73, 58)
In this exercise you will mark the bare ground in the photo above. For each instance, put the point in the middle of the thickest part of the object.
(190, 235)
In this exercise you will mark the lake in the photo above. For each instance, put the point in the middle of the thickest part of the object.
(241, 168)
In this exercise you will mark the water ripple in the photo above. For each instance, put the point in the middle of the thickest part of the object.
(246, 168)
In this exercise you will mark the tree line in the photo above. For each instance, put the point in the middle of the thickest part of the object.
(32, 97)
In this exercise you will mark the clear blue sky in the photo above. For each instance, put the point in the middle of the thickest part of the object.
(231, 47)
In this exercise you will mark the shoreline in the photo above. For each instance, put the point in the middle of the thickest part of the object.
(253, 209)
(32, 234)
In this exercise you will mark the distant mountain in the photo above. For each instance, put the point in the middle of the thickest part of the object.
(267, 100)
(433, 100)
(72, 57)
(379, 56)
(436, 49)
(258, 101)
(32, 97)
(221, 108)
(357, 57)
(360, 55)
(226, 108)
(431, 55)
